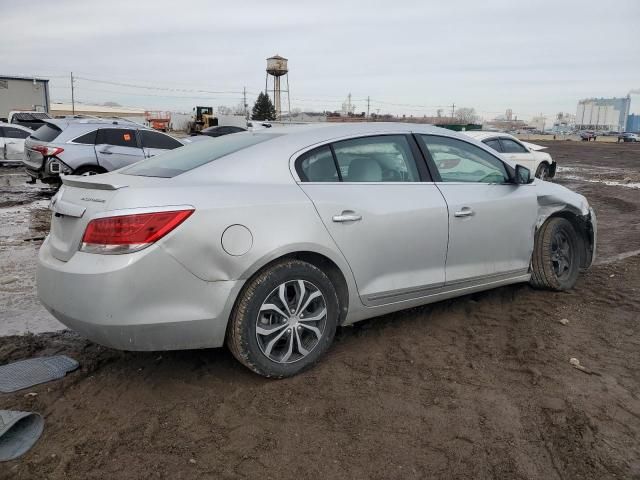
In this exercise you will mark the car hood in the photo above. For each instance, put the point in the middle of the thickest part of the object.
(532, 146)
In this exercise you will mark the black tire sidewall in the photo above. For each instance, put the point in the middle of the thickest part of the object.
(542, 167)
(565, 226)
(263, 285)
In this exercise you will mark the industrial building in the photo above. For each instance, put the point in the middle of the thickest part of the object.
(23, 93)
(607, 114)
(633, 123)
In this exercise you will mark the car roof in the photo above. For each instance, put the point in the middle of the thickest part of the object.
(305, 135)
(75, 121)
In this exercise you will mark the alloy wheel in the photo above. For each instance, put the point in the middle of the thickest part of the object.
(291, 321)
(561, 255)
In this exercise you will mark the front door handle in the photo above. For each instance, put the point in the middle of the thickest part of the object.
(464, 212)
(106, 152)
(347, 216)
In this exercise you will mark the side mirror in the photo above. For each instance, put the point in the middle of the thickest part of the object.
(523, 175)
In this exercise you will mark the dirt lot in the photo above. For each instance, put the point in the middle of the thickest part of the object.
(478, 387)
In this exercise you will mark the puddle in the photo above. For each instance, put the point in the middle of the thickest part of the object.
(614, 177)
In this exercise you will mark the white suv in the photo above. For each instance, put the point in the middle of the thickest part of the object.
(524, 153)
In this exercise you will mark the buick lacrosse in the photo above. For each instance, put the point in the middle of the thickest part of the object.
(269, 240)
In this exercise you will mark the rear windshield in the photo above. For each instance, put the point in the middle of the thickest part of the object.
(46, 133)
(187, 158)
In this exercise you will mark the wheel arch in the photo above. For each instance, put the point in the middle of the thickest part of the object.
(342, 281)
(86, 166)
(584, 231)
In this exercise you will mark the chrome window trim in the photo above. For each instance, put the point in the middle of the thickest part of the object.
(297, 154)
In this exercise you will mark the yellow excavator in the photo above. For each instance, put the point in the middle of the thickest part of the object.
(202, 118)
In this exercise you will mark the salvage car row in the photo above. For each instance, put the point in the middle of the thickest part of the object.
(89, 146)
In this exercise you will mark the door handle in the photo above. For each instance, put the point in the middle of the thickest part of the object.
(347, 216)
(464, 212)
(106, 152)
(11, 143)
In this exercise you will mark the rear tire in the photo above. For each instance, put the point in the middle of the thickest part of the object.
(555, 262)
(284, 320)
(543, 171)
(89, 170)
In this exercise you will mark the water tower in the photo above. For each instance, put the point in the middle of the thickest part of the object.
(277, 68)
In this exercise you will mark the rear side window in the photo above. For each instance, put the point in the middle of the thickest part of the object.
(46, 133)
(195, 155)
(511, 146)
(15, 133)
(119, 137)
(494, 143)
(158, 140)
(385, 158)
(87, 138)
(318, 166)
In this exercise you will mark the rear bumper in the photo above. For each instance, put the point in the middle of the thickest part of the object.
(49, 172)
(140, 301)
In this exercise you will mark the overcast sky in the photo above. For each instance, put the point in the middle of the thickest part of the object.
(531, 56)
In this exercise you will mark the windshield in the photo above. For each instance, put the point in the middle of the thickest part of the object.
(195, 155)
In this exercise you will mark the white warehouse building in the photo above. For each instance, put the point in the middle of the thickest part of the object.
(603, 113)
(23, 93)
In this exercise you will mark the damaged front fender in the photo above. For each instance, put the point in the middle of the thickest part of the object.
(557, 201)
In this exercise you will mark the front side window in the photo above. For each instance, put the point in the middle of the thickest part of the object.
(119, 137)
(511, 146)
(158, 140)
(384, 158)
(494, 143)
(318, 166)
(459, 161)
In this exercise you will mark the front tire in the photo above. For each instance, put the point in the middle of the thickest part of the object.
(285, 319)
(556, 260)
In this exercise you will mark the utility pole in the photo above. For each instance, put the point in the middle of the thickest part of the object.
(453, 109)
(368, 102)
(244, 96)
(73, 101)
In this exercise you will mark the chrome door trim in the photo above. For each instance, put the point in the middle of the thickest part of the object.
(426, 291)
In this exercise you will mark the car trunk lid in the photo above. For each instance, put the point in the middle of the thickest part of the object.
(76, 203)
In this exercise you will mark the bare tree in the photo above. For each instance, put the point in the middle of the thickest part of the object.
(466, 115)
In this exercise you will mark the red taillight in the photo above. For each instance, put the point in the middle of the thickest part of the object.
(47, 151)
(130, 233)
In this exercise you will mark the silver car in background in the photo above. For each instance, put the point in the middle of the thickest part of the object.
(89, 146)
(269, 240)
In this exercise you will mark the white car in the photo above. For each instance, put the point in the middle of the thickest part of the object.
(524, 153)
(12, 142)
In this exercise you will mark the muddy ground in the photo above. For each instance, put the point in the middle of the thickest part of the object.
(473, 388)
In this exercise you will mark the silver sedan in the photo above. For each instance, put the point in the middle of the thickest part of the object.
(269, 240)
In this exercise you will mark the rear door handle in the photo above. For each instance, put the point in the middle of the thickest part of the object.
(106, 152)
(464, 212)
(347, 216)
